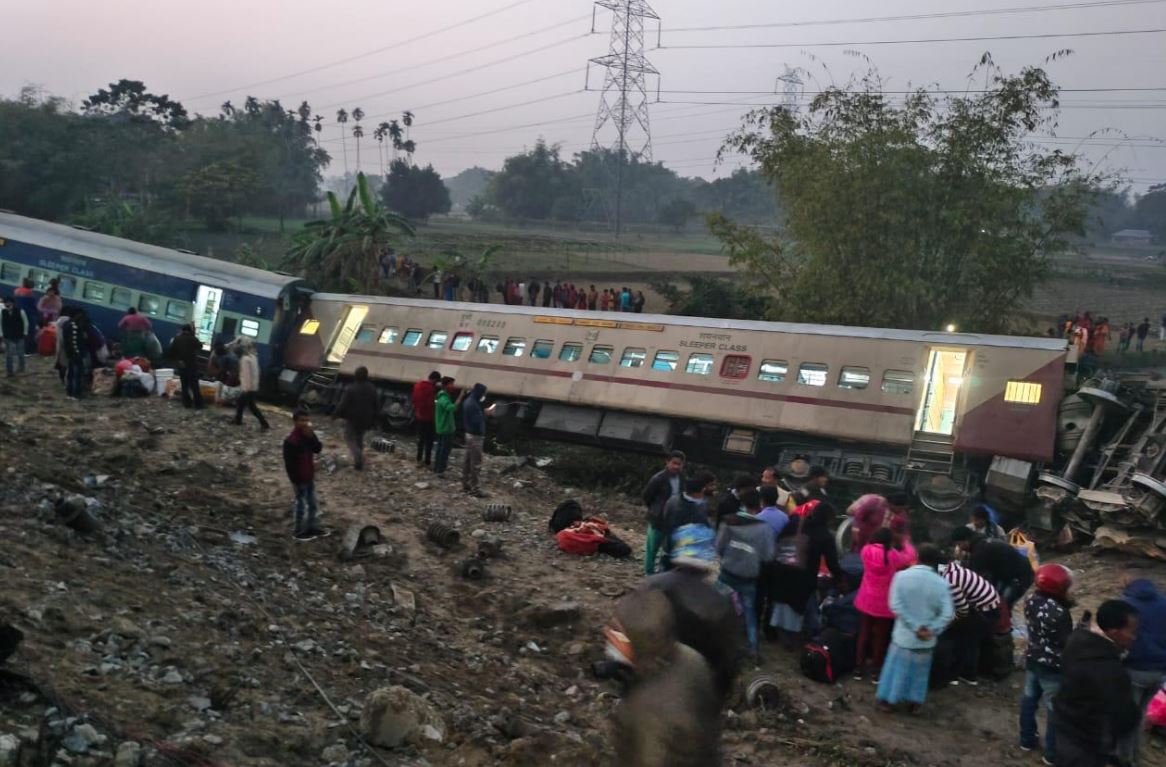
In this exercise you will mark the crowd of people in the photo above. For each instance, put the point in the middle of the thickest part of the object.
(1091, 335)
(912, 617)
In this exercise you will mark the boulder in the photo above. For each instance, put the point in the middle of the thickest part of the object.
(129, 754)
(393, 716)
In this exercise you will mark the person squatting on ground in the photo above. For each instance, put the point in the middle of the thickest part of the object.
(359, 406)
(1009, 571)
(474, 420)
(744, 544)
(13, 335)
(443, 423)
(1146, 661)
(184, 349)
(1095, 707)
(1046, 614)
(664, 484)
(921, 602)
(881, 561)
(249, 386)
(299, 460)
(424, 398)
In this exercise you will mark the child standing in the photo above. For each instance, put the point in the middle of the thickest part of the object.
(299, 459)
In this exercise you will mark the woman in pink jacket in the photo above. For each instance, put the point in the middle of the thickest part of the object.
(880, 561)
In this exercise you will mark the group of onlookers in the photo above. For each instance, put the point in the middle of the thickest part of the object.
(1090, 335)
(438, 408)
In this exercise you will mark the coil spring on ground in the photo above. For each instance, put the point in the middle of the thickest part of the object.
(443, 535)
(496, 512)
(383, 445)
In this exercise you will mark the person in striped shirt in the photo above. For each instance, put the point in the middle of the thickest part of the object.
(977, 606)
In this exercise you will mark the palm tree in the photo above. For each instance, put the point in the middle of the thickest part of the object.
(318, 126)
(409, 147)
(379, 134)
(358, 134)
(228, 108)
(343, 253)
(395, 135)
(407, 118)
(341, 118)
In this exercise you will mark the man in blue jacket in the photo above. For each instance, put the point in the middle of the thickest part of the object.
(1146, 662)
(474, 420)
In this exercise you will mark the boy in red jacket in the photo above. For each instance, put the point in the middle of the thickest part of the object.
(299, 459)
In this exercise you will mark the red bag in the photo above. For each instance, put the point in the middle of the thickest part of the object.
(583, 537)
(46, 341)
(1156, 712)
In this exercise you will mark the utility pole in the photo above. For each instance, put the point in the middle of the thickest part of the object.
(623, 102)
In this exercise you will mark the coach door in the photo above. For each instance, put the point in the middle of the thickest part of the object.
(346, 333)
(941, 392)
(207, 303)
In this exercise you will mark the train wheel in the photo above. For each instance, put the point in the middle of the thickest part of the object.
(843, 534)
(943, 494)
(398, 413)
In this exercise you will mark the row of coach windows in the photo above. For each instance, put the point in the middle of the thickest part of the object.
(732, 366)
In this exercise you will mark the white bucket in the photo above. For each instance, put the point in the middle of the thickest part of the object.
(161, 376)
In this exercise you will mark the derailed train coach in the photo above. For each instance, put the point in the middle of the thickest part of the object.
(878, 408)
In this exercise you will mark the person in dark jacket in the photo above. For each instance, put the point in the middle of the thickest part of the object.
(664, 484)
(474, 420)
(13, 332)
(745, 545)
(706, 619)
(1095, 705)
(424, 397)
(682, 513)
(1009, 571)
(184, 351)
(226, 365)
(1146, 662)
(74, 343)
(1046, 614)
(729, 503)
(299, 460)
(794, 587)
(359, 406)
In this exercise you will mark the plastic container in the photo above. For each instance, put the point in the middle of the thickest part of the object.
(161, 377)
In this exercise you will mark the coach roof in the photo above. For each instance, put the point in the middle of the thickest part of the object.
(104, 247)
(935, 338)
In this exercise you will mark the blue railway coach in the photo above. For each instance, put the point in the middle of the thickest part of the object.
(107, 275)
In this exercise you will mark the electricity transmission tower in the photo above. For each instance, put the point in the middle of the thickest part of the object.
(790, 83)
(623, 103)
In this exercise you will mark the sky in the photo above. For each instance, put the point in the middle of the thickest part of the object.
(488, 78)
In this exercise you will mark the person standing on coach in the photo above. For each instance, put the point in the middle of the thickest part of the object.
(424, 396)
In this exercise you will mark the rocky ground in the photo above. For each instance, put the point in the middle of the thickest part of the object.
(190, 629)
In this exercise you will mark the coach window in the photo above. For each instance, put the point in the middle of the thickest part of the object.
(854, 378)
(812, 374)
(151, 305)
(699, 365)
(633, 358)
(514, 347)
(600, 355)
(389, 336)
(40, 278)
(665, 361)
(178, 311)
(68, 286)
(736, 366)
(462, 342)
(1022, 393)
(570, 352)
(93, 291)
(121, 297)
(366, 334)
(541, 350)
(249, 328)
(412, 337)
(437, 340)
(772, 371)
(487, 344)
(10, 272)
(898, 382)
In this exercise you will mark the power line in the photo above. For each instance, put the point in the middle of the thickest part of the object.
(459, 73)
(918, 16)
(770, 91)
(366, 54)
(443, 58)
(918, 41)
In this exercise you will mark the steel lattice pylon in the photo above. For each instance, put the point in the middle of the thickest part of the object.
(621, 122)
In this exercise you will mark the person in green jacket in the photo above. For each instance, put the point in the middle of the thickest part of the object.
(443, 423)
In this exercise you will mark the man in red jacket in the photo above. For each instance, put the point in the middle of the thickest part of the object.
(424, 397)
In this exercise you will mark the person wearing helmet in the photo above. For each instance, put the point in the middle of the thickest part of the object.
(1046, 612)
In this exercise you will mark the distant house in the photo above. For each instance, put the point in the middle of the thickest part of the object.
(1132, 237)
